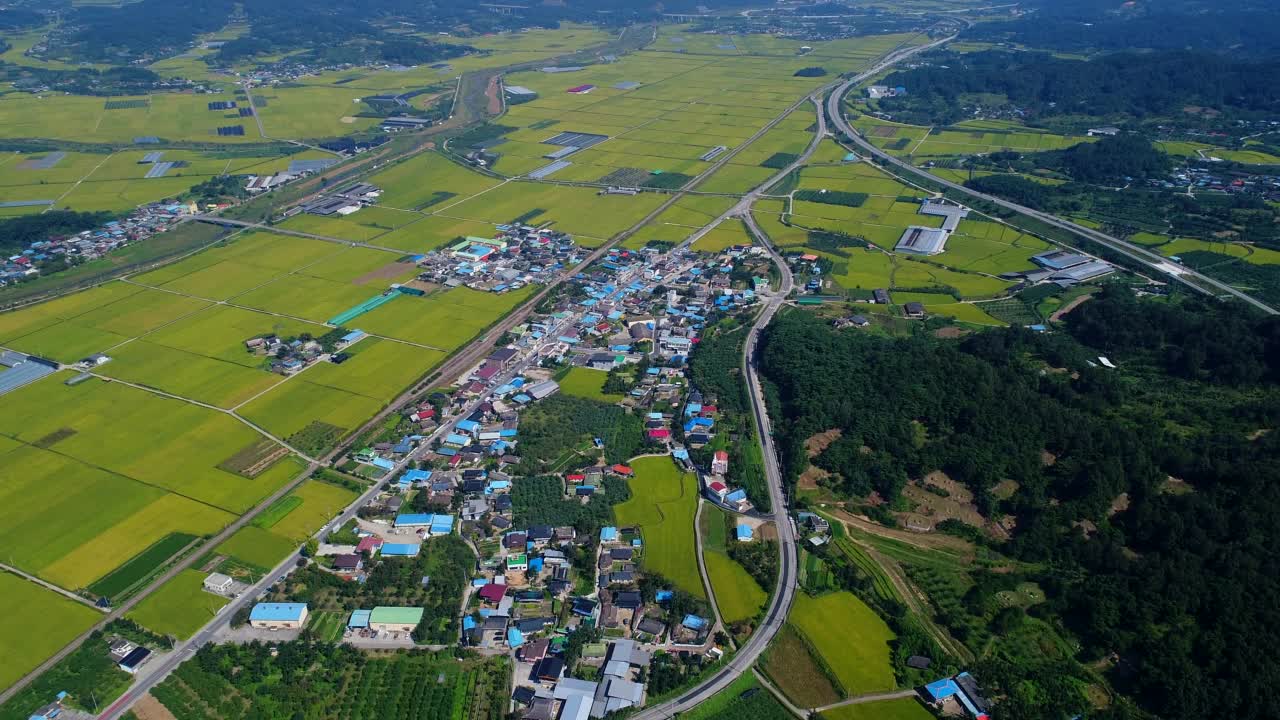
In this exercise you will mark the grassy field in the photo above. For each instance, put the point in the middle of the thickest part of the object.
(587, 383)
(791, 665)
(180, 607)
(137, 434)
(901, 709)
(444, 320)
(723, 237)
(738, 595)
(316, 503)
(663, 503)
(259, 548)
(849, 637)
(34, 624)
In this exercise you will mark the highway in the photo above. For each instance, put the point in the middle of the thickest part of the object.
(1134, 252)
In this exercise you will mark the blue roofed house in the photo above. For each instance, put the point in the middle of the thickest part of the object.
(278, 616)
(468, 426)
(413, 476)
(608, 534)
(359, 619)
(384, 463)
(744, 533)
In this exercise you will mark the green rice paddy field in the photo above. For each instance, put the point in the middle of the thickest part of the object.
(587, 383)
(180, 607)
(34, 624)
(852, 640)
(663, 504)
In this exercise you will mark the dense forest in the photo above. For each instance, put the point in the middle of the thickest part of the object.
(1041, 85)
(1176, 581)
(1245, 28)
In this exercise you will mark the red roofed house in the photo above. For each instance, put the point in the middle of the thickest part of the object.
(719, 488)
(581, 89)
(623, 470)
(487, 372)
(659, 434)
(575, 477)
(492, 593)
(709, 410)
(369, 544)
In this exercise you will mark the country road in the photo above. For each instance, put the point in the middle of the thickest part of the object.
(1134, 252)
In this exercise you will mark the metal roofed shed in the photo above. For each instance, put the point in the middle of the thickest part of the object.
(359, 619)
(519, 91)
(918, 240)
(1059, 259)
(395, 619)
(577, 139)
(306, 166)
(272, 616)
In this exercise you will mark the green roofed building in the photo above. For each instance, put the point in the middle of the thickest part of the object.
(395, 619)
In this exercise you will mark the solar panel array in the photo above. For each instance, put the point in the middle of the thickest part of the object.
(546, 170)
(24, 203)
(158, 169)
(152, 157)
(27, 372)
(577, 139)
(47, 162)
(302, 166)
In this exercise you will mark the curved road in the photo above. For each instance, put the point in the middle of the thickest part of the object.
(784, 594)
(1129, 250)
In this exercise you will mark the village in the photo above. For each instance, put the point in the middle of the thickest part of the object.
(570, 604)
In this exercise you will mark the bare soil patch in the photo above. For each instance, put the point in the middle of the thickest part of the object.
(817, 443)
(810, 478)
(389, 271)
(1062, 311)
(149, 708)
(491, 94)
(950, 333)
(910, 538)
(348, 119)
(884, 131)
(1119, 504)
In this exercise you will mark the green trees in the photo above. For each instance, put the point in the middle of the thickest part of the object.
(1167, 574)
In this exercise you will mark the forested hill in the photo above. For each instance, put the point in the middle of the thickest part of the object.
(1180, 583)
(1140, 85)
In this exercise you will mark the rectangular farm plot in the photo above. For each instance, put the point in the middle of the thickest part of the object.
(723, 237)
(257, 547)
(221, 331)
(307, 297)
(294, 405)
(70, 514)
(342, 228)
(137, 434)
(17, 323)
(320, 501)
(140, 313)
(223, 280)
(379, 369)
(442, 320)
(375, 269)
(67, 342)
(34, 624)
(434, 231)
(663, 504)
(851, 639)
(180, 607)
(216, 382)
(575, 210)
(124, 540)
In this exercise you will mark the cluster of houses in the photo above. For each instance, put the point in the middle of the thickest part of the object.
(515, 257)
(93, 244)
